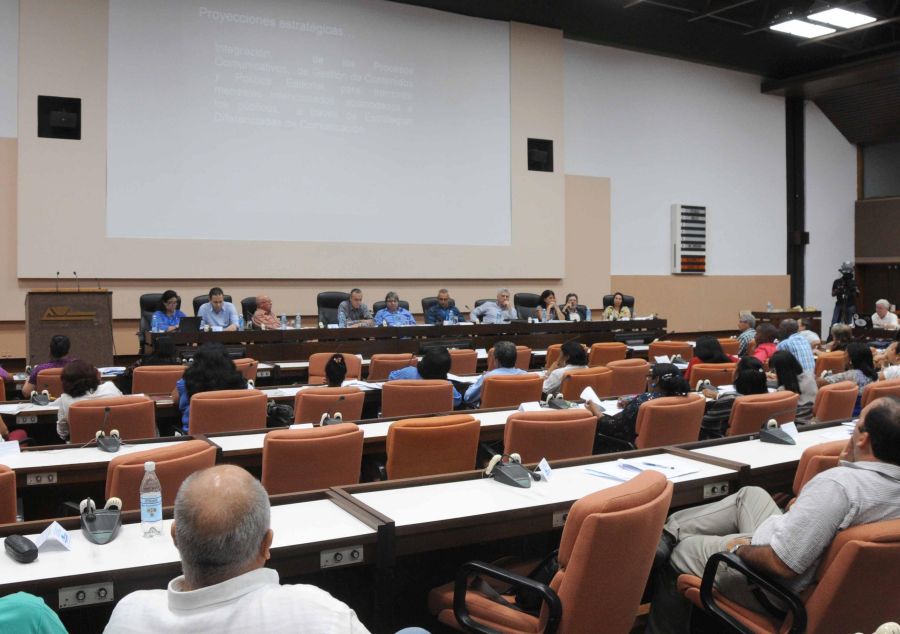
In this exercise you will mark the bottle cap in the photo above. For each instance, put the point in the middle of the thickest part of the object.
(149, 466)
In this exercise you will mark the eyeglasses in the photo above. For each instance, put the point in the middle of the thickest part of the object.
(172, 302)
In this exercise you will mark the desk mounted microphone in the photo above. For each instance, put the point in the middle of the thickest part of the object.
(57, 281)
(773, 434)
(77, 287)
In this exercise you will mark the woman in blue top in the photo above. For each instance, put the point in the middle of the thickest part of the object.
(168, 317)
(211, 370)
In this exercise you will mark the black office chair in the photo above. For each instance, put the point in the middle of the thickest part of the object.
(248, 306)
(327, 303)
(479, 302)
(150, 303)
(202, 299)
(379, 305)
(627, 300)
(526, 304)
(428, 302)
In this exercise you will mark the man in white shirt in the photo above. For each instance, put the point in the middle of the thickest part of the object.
(883, 317)
(222, 533)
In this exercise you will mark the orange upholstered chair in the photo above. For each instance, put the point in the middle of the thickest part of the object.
(49, 379)
(879, 389)
(307, 459)
(729, 345)
(156, 379)
(554, 434)
(838, 602)
(553, 352)
(319, 360)
(523, 358)
(226, 410)
(7, 495)
(247, 367)
(173, 465)
(669, 420)
(835, 401)
(815, 460)
(429, 446)
(603, 353)
(605, 555)
(311, 403)
(670, 349)
(574, 381)
(629, 376)
(383, 364)
(463, 361)
(409, 397)
(511, 390)
(134, 416)
(716, 373)
(835, 361)
(751, 412)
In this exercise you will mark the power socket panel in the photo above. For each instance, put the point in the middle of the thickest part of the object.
(90, 594)
(715, 490)
(559, 518)
(26, 419)
(34, 479)
(341, 556)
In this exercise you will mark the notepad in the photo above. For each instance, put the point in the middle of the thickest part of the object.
(623, 470)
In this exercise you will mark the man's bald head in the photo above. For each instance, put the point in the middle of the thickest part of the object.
(221, 525)
(264, 302)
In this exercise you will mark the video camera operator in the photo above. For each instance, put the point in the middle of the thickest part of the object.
(844, 291)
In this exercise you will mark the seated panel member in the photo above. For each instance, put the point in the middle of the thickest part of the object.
(393, 314)
(617, 311)
(505, 355)
(59, 351)
(217, 313)
(352, 313)
(547, 309)
(442, 311)
(571, 309)
(434, 365)
(495, 312)
(263, 317)
(168, 317)
(883, 317)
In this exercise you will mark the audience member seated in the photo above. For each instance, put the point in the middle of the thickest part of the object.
(747, 328)
(862, 370)
(393, 314)
(665, 380)
(223, 534)
(787, 548)
(707, 350)
(23, 613)
(80, 381)
(336, 370)
(168, 317)
(211, 370)
(442, 311)
(796, 344)
(495, 312)
(571, 309)
(352, 313)
(547, 309)
(883, 317)
(841, 336)
(218, 314)
(572, 356)
(263, 317)
(749, 378)
(765, 342)
(434, 365)
(804, 325)
(59, 350)
(887, 360)
(788, 375)
(505, 355)
(617, 311)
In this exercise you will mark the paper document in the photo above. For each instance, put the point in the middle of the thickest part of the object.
(588, 394)
(662, 358)
(624, 470)
(461, 379)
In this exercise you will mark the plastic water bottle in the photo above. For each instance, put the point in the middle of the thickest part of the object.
(283, 321)
(151, 502)
(154, 323)
(587, 314)
(240, 322)
(297, 320)
(769, 307)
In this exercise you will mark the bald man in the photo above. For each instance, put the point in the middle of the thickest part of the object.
(222, 533)
(264, 317)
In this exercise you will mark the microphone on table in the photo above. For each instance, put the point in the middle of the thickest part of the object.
(57, 281)
(77, 287)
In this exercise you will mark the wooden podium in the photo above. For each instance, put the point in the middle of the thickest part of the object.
(84, 316)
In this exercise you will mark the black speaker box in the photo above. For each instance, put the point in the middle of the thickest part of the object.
(59, 117)
(540, 155)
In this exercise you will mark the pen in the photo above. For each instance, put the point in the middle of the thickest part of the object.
(659, 466)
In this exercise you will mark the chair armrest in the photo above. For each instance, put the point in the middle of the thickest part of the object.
(794, 604)
(624, 444)
(461, 612)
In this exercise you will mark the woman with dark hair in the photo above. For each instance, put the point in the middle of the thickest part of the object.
(618, 310)
(168, 317)
(790, 377)
(572, 356)
(665, 380)
(80, 380)
(707, 350)
(765, 342)
(749, 378)
(211, 370)
(547, 308)
(862, 371)
(335, 370)
(59, 357)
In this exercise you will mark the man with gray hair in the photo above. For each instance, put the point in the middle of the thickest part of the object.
(495, 312)
(222, 533)
(883, 317)
(747, 326)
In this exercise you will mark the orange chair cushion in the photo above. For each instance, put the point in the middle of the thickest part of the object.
(429, 446)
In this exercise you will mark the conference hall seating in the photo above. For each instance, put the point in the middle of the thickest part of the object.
(226, 410)
(669, 420)
(156, 379)
(133, 416)
(523, 358)
(430, 446)
(835, 401)
(750, 413)
(410, 397)
(381, 365)
(629, 376)
(319, 360)
(552, 434)
(510, 390)
(603, 353)
(310, 459)
(599, 378)
(716, 373)
(311, 403)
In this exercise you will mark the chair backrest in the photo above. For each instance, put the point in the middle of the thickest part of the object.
(319, 360)
(199, 300)
(381, 365)
(7, 495)
(134, 416)
(878, 389)
(412, 397)
(749, 413)
(50, 379)
(523, 358)
(428, 302)
(554, 434)
(247, 367)
(670, 348)
(814, 460)
(670, 420)
(248, 307)
(730, 345)
(526, 304)
(603, 353)
(479, 302)
(227, 410)
(308, 459)
(463, 361)
(629, 376)
(607, 550)
(311, 403)
(429, 446)
(511, 390)
(156, 379)
(627, 300)
(149, 304)
(835, 361)
(327, 303)
(382, 304)
(599, 378)
(173, 465)
(835, 401)
(553, 352)
(715, 373)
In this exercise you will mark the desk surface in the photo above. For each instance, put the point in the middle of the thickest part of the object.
(758, 454)
(74, 455)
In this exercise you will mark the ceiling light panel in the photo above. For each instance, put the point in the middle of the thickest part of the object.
(842, 18)
(801, 28)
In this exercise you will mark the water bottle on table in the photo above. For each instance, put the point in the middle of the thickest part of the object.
(151, 502)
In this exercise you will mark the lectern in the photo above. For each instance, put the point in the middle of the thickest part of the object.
(85, 316)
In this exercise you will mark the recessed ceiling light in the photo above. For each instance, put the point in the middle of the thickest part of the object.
(842, 18)
(802, 29)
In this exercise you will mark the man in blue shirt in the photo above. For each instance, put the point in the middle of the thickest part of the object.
(443, 310)
(797, 345)
(217, 313)
(505, 355)
(434, 364)
(393, 314)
